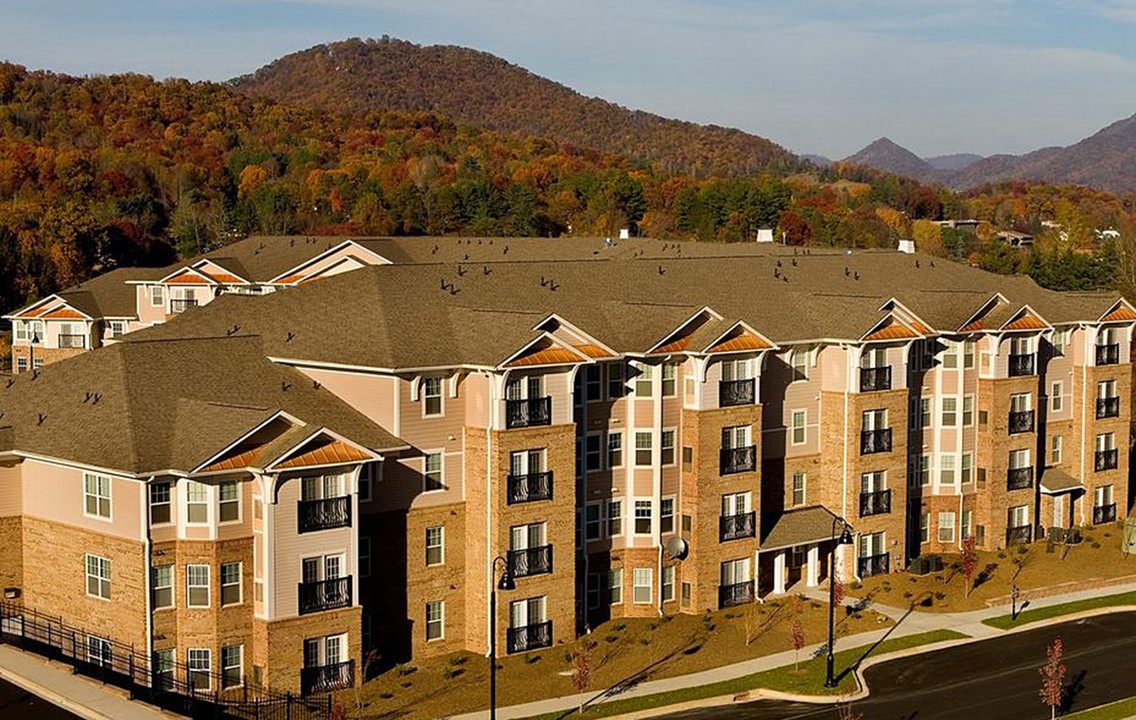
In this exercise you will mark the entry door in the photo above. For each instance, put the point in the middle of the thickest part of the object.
(1059, 511)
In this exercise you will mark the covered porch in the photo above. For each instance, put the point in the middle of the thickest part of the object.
(795, 553)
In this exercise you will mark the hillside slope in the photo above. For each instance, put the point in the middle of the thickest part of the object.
(477, 87)
(887, 156)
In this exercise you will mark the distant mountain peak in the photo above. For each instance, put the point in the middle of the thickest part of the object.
(887, 155)
(479, 88)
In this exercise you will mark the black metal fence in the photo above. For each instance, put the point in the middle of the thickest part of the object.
(162, 681)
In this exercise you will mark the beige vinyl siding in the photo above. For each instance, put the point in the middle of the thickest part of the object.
(55, 493)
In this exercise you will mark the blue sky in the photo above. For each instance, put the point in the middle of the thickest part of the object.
(936, 76)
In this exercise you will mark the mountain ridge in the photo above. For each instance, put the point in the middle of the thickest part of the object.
(468, 85)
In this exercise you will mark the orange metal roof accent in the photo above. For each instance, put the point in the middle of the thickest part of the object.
(332, 452)
(1122, 312)
(236, 459)
(290, 278)
(592, 351)
(226, 278)
(920, 327)
(675, 345)
(1026, 322)
(551, 355)
(891, 331)
(740, 342)
(188, 277)
(34, 313)
(62, 313)
(973, 326)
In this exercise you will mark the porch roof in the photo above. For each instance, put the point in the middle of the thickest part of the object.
(803, 526)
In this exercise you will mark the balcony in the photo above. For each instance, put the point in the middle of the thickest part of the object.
(1103, 514)
(870, 565)
(1108, 407)
(532, 412)
(325, 595)
(530, 487)
(738, 460)
(531, 561)
(1105, 460)
(312, 515)
(1021, 535)
(180, 305)
(875, 503)
(875, 379)
(529, 637)
(73, 341)
(1019, 478)
(736, 594)
(875, 441)
(1108, 354)
(1021, 422)
(735, 527)
(325, 678)
(1021, 364)
(732, 393)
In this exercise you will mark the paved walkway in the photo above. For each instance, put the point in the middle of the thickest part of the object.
(907, 623)
(75, 694)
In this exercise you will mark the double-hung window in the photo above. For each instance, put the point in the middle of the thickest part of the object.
(199, 662)
(946, 527)
(799, 360)
(230, 583)
(670, 376)
(435, 620)
(593, 383)
(799, 427)
(435, 546)
(431, 396)
(615, 586)
(98, 576)
(967, 410)
(947, 469)
(196, 502)
(667, 448)
(96, 495)
(643, 380)
(950, 411)
(197, 586)
(643, 585)
(615, 517)
(593, 521)
(593, 452)
(616, 381)
(163, 581)
(160, 503)
(666, 515)
(644, 447)
(232, 660)
(800, 488)
(644, 511)
(432, 473)
(229, 501)
(615, 449)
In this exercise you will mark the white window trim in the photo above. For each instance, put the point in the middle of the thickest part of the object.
(240, 666)
(607, 450)
(109, 517)
(441, 620)
(441, 472)
(240, 584)
(674, 447)
(171, 488)
(208, 586)
(650, 586)
(208, 503)
(441, 397)
(171, 587)
(240, 504)
(208, 670)
(635, 516)
(87, 576)
(601, 449)
(804, 428)
(622, 517)
(426, 546)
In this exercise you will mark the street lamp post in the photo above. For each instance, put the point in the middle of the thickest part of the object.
(504, 583)
(845, 538)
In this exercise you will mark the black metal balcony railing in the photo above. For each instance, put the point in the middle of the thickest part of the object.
(1021, 535)
(1108, 407)
(738, 460)
(72, 341)
(325, 595)
(1108, 354)
(732, 393)
(735, 594)
(736, 527)
(325, 678)
(532, 412)
(531, 561)
(1019, 478)
(530, 637)
(873, 564)
(1105, 460)
(1104, 514)
(180, 305)
(1021, 364)
(875, 503)
(875, 441)
(324, 514)
(1021, 422)
(530, 487)
(872, 379)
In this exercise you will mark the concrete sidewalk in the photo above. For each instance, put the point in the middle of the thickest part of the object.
(908, 622)
(76, 694)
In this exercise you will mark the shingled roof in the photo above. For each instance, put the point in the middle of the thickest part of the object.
(452, 314)
(150, 406)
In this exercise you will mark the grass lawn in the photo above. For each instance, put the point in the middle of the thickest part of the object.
(1119, 710)
(1005, 622)
(1036, 567)
(624, 650)
(808, 680)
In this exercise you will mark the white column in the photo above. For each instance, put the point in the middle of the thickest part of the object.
(779, 574)
(813, 567)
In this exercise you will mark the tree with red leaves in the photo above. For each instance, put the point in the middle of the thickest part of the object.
(1053, 677)
(969, 562)
(796, 631)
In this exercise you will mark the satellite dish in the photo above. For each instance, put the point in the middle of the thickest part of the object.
(677, 548)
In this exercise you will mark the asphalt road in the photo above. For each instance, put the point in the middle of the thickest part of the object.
(990, 680)
(17, 703)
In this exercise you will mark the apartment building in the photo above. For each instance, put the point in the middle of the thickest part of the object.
(102, 310)
(626, 437)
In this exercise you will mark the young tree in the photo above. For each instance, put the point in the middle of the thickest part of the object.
(581, 668)
(1053, 677)
(796, 630)
(837, 591)
(969, 562)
